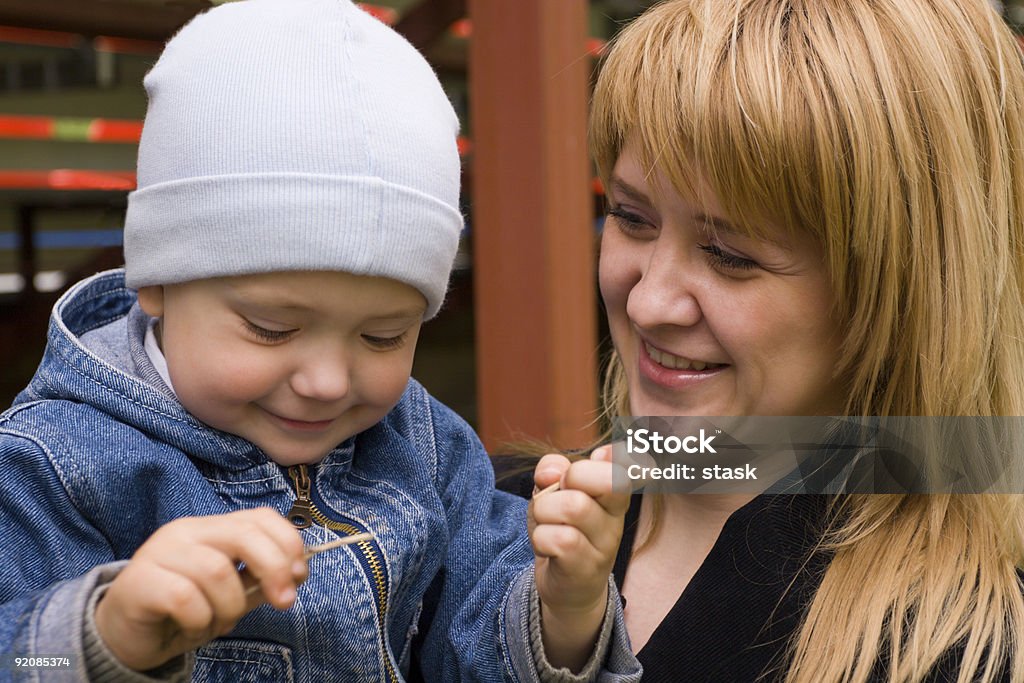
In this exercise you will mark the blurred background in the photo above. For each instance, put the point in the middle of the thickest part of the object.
(509, 350)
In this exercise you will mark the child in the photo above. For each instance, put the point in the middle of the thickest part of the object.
(296, 220)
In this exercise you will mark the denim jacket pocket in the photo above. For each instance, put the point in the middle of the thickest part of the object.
(243, 661)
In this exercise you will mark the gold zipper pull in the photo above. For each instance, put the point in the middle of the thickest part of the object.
(300, 514)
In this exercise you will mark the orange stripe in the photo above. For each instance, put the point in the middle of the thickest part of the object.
(67, 179)
(35, 127)
(44, 128)
(24, 180)
(115, 130)
(129, 46)
(596, 46)
(463, 28)
(388, 15)
(34, 36)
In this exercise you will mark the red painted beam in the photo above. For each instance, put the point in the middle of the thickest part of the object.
(534, 278)
(67, 180)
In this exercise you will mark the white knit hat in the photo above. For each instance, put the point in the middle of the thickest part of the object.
(294, 135)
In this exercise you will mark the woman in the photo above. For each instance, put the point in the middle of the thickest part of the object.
(816, 207)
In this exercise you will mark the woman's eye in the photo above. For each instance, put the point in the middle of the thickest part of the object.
(627, 221)
(270, 336)
(385, 342)
(724, 259)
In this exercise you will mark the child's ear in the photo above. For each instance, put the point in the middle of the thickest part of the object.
(151, 299)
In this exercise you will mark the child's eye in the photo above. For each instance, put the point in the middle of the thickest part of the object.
(724, 259)
(385, 342)
(269, 336)
(627, 221)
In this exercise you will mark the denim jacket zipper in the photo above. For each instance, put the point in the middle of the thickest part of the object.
(304, 513)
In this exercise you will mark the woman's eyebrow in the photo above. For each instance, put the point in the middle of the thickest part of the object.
(718, 224)
(621, 187)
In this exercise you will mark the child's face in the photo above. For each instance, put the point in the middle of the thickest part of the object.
(294, 362)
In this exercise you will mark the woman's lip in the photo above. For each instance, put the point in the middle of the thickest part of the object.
(670, 377)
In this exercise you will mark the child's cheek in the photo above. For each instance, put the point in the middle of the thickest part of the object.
(384, 382)
(223, 377)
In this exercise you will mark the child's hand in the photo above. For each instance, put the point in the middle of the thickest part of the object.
(182, 588)
(575, 532)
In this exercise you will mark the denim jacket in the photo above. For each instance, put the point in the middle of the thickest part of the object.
(97, 453)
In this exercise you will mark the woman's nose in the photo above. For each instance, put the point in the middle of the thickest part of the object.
(666, 293)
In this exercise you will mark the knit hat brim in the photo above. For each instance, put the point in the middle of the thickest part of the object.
(386, 228)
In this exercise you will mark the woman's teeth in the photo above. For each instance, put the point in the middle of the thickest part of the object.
(673, 362)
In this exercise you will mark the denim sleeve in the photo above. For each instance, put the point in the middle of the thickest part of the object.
(54, 567)
(48, 623)
(488, 573)
(611, 662)
(51, 562)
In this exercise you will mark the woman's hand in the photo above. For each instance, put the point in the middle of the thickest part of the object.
(182, 588)
(575, 531)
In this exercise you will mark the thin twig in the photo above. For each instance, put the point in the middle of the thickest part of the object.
(549, 489)
(312, 550)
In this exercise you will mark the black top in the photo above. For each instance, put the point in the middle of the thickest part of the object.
(734, 621)
(735, 618)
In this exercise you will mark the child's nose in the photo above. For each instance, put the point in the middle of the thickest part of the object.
(323, 377)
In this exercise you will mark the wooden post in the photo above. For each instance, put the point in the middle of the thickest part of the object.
(532, 222)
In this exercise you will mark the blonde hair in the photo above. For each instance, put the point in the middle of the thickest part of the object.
(891, 131)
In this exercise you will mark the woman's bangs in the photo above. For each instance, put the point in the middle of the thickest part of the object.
(713, 106)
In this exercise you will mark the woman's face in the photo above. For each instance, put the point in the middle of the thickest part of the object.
(708, 321)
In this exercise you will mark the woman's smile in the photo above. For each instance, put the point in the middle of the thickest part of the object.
(674, 371)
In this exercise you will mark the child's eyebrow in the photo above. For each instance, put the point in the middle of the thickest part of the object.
(278, 304)
(401, 314)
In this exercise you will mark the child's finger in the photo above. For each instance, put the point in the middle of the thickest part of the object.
(287, 537)
(242, 538)
(282, 531)
(273, 569)
(188, 606)
(216, 575)
(162, 594)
